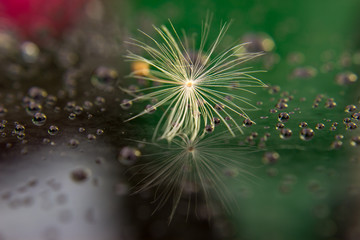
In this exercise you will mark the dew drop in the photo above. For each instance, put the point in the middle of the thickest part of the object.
(219, 107)
(99, 101)
(39, 119)
(128, 155)
(303, 124)
(356, 116)
(72, 116)
(80, 174)
(350, 108)
(355, 141)
(3, 111)
(2, 127)
(33, 108)
(81, 129)
(126, 104)
(19, 128)
(150, 108)
(351, 126)
(78, 110)
(285, 133)
(91, 137)
(279, 126)
(306, 134)
(53, 130)
(283, 117)
(336, 144)
(247, 122)
(99, 132)
(346, 78)
(73, 143)
(104, 78)
(209, 128)
(216, 121)
(270, 157)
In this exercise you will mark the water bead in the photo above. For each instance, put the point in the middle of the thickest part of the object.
(351, 126)
(80, 174)
(3, 111)
(209, 128)
(53, 130)
(283, 117)
(104, 78)
(216, 121)
(150, 108)
(303, 124)
(279, 126)
(306, 134)
(126, 104)
(73, 143)
(247, 122)
(270, 157)
(39, 119)
(356, 116)
(285, 133)
(128, 155)
(33, 108)
(346, 78)
(350, 108)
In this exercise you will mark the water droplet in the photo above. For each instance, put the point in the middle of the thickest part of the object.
(99, 132)
(19, 128)
(303, 124)
(50, 101)
(128, 155)
(339, 137)
(216, 121)
(281, 105)
(306, 134)
(350, 108)
(247, 122)
(336, 144)
(3, 111)
(285, 133)
(279, 126)
(346, 120)
(356, 116)
(2, 127)
(73, 143)
(283, 117)
(209, 128)
(80, 174)
(330, 103)
(346, 78)
(33, 108)
(304, 72)
(355, 141)
(53, 130)
(270, 157)
(21, 135)
(88, 105)
(29, 51)
(72, 116)
(70, 106)
(81, 129)
(126, 104)
(39, 119)
(104, 78)
(78, 110)
(219, 107)
(351, 126)
(150, 108)
(99, 101)
(91, 137)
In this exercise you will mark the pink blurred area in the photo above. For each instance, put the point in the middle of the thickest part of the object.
(33, 18)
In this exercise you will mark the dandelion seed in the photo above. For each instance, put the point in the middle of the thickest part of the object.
(188, 168)
(194, 85)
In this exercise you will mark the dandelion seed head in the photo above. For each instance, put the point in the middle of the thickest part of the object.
(193, 84)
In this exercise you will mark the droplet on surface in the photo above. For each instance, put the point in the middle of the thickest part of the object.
(104, 78)
(270, 157)
(80, 174)
(283, 117)
(355, 141)
(209, 128)
(306, 134)
(346, 78)
(150, 108)
(39, 119)
(73, 143)
(126, 104)
(128, 155)
(350, 108)
(285, 133)
(53, 130)
(247, 122)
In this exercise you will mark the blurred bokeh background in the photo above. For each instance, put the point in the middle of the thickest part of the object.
(63, 135)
